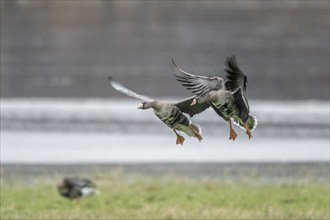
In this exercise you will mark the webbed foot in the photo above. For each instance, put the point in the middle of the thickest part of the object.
(248, 132)
(180, 139)
(232, 135)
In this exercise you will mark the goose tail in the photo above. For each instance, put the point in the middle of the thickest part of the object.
(251, 123)
(197, 128)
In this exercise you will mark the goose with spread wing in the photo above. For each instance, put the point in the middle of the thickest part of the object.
(169, 113)
(228, 99)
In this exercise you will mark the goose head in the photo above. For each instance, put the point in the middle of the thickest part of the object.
(146, 105)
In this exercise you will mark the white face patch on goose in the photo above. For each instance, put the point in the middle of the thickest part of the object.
(141, 106)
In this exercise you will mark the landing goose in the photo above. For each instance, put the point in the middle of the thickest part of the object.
(228, 99)
(169, 113)
(75, 188)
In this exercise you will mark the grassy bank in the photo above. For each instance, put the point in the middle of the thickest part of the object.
(167, 197)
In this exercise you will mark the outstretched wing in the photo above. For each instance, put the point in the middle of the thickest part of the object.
(236, 78)
(197, 108)
(128, 92)
(236, 83)
(199, 85)
(242, 104)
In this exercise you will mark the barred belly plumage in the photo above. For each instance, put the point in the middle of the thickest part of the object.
(226, 109)
(173, 118)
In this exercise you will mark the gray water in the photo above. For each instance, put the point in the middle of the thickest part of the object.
(103, 131)
(68, 48)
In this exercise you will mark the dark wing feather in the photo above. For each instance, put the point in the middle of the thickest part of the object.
(236, 78)
(185, 107)
(199, 85)
(236, 83)
(241, 104)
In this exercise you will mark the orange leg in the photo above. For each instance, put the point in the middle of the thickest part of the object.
(179, 138)
(248, 132)
(232, 133)
(197, 135)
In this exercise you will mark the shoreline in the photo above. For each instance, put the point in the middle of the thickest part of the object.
(313, 172)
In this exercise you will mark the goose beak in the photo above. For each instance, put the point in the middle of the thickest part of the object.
(193, 102)
(140, 106)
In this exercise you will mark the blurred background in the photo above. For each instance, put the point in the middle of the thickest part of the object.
(57, 107)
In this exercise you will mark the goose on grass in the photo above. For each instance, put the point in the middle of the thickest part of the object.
(75, 188)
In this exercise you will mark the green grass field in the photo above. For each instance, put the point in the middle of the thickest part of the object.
(166, 197)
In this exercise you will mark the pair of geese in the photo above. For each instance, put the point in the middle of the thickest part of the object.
(228, 99)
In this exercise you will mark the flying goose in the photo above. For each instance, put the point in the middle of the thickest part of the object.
(169, 113)
(76, 187)
(228, 99)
